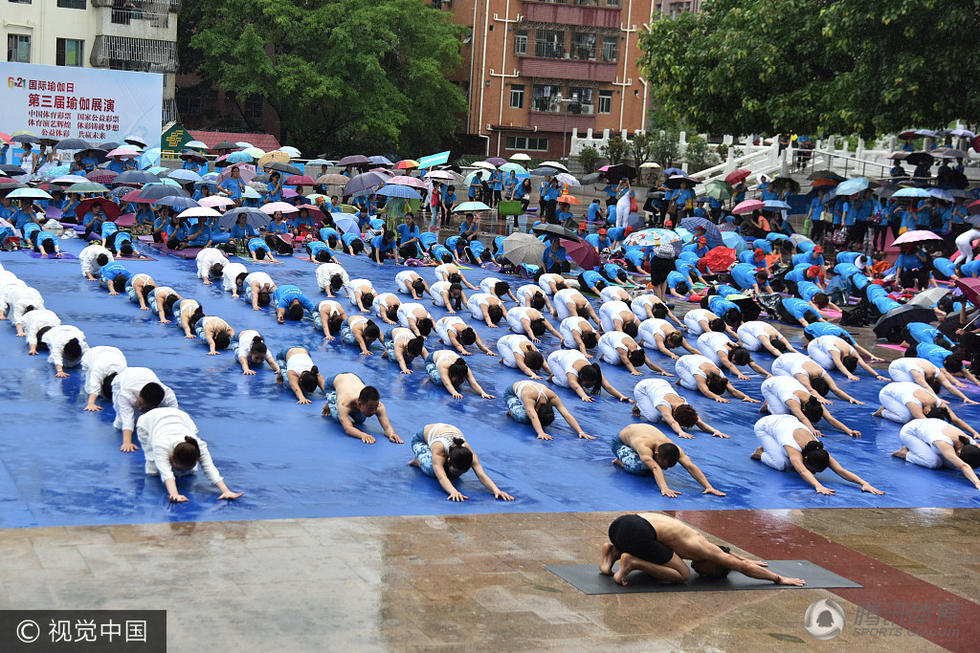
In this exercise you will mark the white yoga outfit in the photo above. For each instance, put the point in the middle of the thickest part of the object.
(778, 390)
(326, 271)
(445, 324)
(159, 432)
(521, 386)
(330, 306)
(545, 281)
(819, 349)
(526, 292)
(610, 343)
(964, 243)
(640, 303)
(901, 369)
(411, 311)
(692, 319)
(562, 362)
(442, 272)
(98, 363)
(27, 297)
(299, 363)
(436, 290)
(651, 394)
(261, 278)
(609, 312)
(476, 302)
(921, 436)
(361, 285)
(650, 328)
(57, 337)
(206, 258)
(87, 258)
(515, 315)
(383, 301)
(404, 281)
(749, 333)
(775, 433)
(510, 347)
(570, 326)
(712, 342)
(230, 273)
(36, 320)
(896, 396)
(245, 342)
(186, 306)
(561, 300)
(688, 367)
(613, 294)
(401, 335)
(487, 285)
(791, 364)
(444, 433)
(126, 388)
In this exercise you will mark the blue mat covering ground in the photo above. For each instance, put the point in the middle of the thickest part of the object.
(62, 466)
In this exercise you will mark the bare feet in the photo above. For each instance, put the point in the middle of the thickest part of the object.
(617, 461)
(608, 558)
(625, 567)
(757, 454)
(636, 410)
(901, 453)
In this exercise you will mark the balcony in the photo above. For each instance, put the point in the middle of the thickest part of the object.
(157, 6)
(137, 23)
(571, 14)
(124, 53)
(542, 67)
(554, 122)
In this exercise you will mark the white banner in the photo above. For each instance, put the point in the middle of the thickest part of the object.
(72, 102)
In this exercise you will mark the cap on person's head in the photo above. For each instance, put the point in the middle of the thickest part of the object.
(603, 232)
(758, 252)
(702, 240)
(818, 249)
(813, 271)
(581, 226)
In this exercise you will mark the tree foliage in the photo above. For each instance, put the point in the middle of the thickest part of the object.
(343, 75)
(615, 149)
(640, 148)
(699, 155)
(589, 158)
(850, 66)
(665, 148)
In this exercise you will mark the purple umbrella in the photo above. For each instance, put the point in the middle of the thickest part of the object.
(497, 161)
(364, 184)
(354, 160)
(712, 233)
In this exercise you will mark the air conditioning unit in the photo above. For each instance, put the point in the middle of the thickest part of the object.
(588, 108)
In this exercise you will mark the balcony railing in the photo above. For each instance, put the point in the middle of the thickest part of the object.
(138, 16)
(124, 53)
(596, 71)
(571, 14)
(158, 6)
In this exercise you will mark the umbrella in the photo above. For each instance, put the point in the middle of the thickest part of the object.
(484, 164)
(440, 175)
(940, 194)
(567, 179)
(517, 169)
(651, 238)
(775, 205)
(718, 259)
(135, 140)
(919, 158)
(23, 137)
(591, 178)
(734, 241)
(134, 196)
(225, 145)
(898, 155)
(825, 174)
(852, 186)
(13, 171)
(238, 157)
(406, 192)
(335, 180)
(300, 180)
(781, 182)
(523, 248)
(364, 183)
(949, 153)
(318, 162)
(544, 171)
(891, 323)
(135, 177)
(494, 161)
(402, 180)
(185, 176)
(282, 207)
(928, 298)
(346, 222)
(471, 206)
(620, 171)
(122, 151)
(243, 144)
(293, 152)
(156, 192)
(86, 187)
(911, 192)
(736, 176)
(178, 203)
(283, 167)
(109, 208)
(251, 193)
(28, 194)
(719, 190)
(582, 253)
(354, 160)
(712, 233)
(253, 217)
(406, 164)
(927, 133)
(822, 183)
(72, 144)
(963, 133)
(105, 176)
(675, 181)
(914, 236)
(68, 179)
(199, 212)
(7, 184)
(650, 164)
(556, 230)
(748, 206)
(970, 287)
(520, 156)
(380, 160)
(213, 201)
(276, 155)
(195, 156)
(568, 199)
(198, 145)
(548, 164)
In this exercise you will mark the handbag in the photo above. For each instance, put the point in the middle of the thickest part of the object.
(634, 207)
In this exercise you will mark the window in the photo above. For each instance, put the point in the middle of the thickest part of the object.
(534, 143)
(19, 48)
(72, 4)
(549, 43)
(605, 101)
(546, 98)
(21, 2)
(520, 42)
(610, 48)
(584, 96)
(517, 96)
(71, 52)
(253, 108)
(189, 105)
(583, 45)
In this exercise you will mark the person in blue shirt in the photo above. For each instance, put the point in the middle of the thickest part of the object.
(951, 361)
(144, 215)
(595, 213)
(473, 191)
(971, 269)
(747, 277)
(408, 237)
(797, 311)
(93, 219)
(610, 191)
(552, 193)
(912, 267)
(522, 193)
(683, 198)
(556, 258)
(384, 246)
(724, 308)
(510, 185)
(7, 209)
(260, 250)
(616, 274)
(448, 202)
(564, 213)
(330, 236)
(273, 189)
(467, 227)
(200, 234)
(319, 251)
(113, 277)
(291, 303)
(701, 246)
(699, 210)
(3, 153)
(241, 232)
(233, 185)
(600, 240)
(278, 225)
(636, 259)
(922, 333)
(23, 214)
(353, 244)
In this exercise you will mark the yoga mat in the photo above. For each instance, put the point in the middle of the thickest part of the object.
(264, 262)
(188, 253)
(831, 313)
(135, 258)
(65, 256)
(588, 580)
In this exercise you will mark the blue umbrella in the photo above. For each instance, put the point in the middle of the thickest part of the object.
(254, 217)
(911, 192)
(319, 162)
(156, 192)
(149, 158)
(734, 241)
(185, 176)
(346, 222)
(119, 191)
(238, 157)
(406, 192)
(712, 233)
(178, 203)
(776, 205)
(674, 171)
(138, 177)
(940, 194)
(58, 171)
(852, 186)
(210, 185)
(381, 160)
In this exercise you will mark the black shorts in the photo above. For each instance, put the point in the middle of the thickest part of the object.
(636, 536)
(659, 269)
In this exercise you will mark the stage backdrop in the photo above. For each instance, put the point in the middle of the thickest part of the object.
(91, 103)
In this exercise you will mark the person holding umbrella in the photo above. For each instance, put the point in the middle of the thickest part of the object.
(234, 186)
(555, 257)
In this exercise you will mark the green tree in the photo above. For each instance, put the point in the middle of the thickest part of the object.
(639, 148)
(665, 148)
(854, 66)
(699, 154)
(345, 75)
(615, 149)
(589, 158)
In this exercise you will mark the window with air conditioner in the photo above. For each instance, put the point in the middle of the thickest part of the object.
(545, 98)
(583, 46)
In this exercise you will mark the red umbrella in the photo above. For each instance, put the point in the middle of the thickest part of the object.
(971, 289)
(717, 259)
(109, 208)
(134, 196)
(819, 183)
(582, 253)
(102, 175)
(736, 176)
(318, 217)
(973, 208)
(748, 206)
(300, 180)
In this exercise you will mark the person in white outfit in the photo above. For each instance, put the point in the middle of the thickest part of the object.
(810, 375)
(100, 365)
(571, 369)
(498, 288)
(532, 403)
(34, 322)
(448, 295)
(330, 316)
(696, 372)
(92, 258)
(386, 307)
(656, 401)
(210, 263)
(551, 283)
(934, 444)
(614, 294)
(10, 292)
(701, 320)
(927, 375)
(530, 322)
(786, 442)
(904, 401)
(411, 283)
(577, 333)
(530, 294)
(171, 446)
(964, 245)
(831, 352)
(258, 287)
(453, 331)
(617, 316)
(517, 352)
(413, 315)
(487, 308)
(362, 294)
(20, 301)
(617, 348)
(137, 390)
(722, 351)
(784, 395)
(655, 333)
(233, 277)
(66, 346)
(569, 302)
(756, 335)
(252, 349)
(648, 306)
(449, 272)
(331, 278)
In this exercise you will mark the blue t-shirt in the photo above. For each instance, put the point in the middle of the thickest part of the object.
(552, 256)
(611, 271)
(743, 274)
(327, 232)
(591, 278)
(109, 272)
(616, 234)
(674, 278)
(971, 269)
(256, 244)
(719, 305)
(925, 334)
(285, 295)
(347, 239)
(635, 256)
(933, 353)
(234, 187)
(908, 262)
(797, 307)
(314, 247)
(378, 243)
(273, 196)
(407, 233)
(807, 289)
(817, 329)
(240, 232)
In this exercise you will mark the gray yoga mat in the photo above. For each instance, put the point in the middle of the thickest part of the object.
(587, 579)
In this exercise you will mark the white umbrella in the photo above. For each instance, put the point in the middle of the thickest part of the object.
(291, 151)
(520, 156)
(199, 212)
(212, 201)
(484, 164)
(565, 178)
(650, 164)
(554, 164)
(282, 207)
